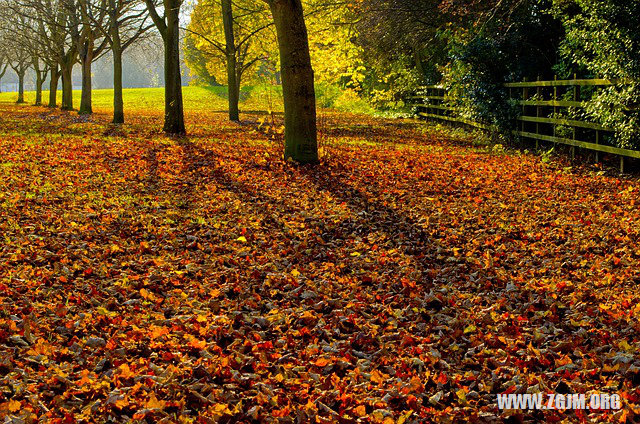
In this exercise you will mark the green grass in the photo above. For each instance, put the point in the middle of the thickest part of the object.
(195, 99)
(253, 98)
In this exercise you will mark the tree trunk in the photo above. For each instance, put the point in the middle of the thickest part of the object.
(53, 86)
(301, 138)
(417, 56)
(118, 102)
(20, 87)
(67, 87)
(39, 82)
(232, 80)
(2, 72)
(174, 114)
(86, 58)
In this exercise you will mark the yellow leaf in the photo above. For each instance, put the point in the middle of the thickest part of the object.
(462, 395)
(11, 406)
(534, 350)
(243, 239)
(355, 254)
(122, 403)
(103, 311)
(154, 403)
(125, 371)
(279, 378)
(470, 329)
(377, 377)
(198, 344)
(295, 273)
(85, 378)
(146, 294)
(220, 408)
(360, 411)
(625, 346)
(563, 361)
(609, 368)
(308, 315)
(405, 417)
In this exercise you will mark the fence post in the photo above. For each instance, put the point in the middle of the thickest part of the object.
(597, 142)
(538, 112)
(525, 94)
(555, 108)
(576, 95)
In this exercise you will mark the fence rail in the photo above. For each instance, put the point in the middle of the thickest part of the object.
(540, 103)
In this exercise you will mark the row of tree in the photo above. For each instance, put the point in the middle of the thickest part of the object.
(51, 36)
(385, 50)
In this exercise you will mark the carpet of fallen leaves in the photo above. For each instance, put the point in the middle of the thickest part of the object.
(408, 278)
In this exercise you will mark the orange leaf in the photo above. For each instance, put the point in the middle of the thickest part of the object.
(11, 406)
(360, 411)
(377, 377)
(125, 371)
(154, 403)
(322, 362)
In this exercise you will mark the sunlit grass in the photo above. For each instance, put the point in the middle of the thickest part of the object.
(152, 99)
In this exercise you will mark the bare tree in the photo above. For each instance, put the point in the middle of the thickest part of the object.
(4, 61)
(41, 70)
(127, 22)
(58, 30)
(15, 46)
(93, 15)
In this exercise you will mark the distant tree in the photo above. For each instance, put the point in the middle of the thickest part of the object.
(58, 31)
(4, 60)
(126, 22)
(93, 15)
(3, 70)
(231, 42)
(20, 62)
(15, 46)
(198, 63)
(41, 69)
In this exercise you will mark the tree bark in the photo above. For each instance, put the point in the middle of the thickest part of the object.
(174, 113)
(301, 138)
(53, 86)
(86, 58)
(232, 79)
(118, 102)
(20, 88)
(67, 87)
(2, 72)
(39, 82)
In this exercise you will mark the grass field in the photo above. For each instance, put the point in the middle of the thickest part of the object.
(150, 99)
(408, 278)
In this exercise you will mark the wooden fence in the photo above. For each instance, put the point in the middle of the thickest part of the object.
(540, 118)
